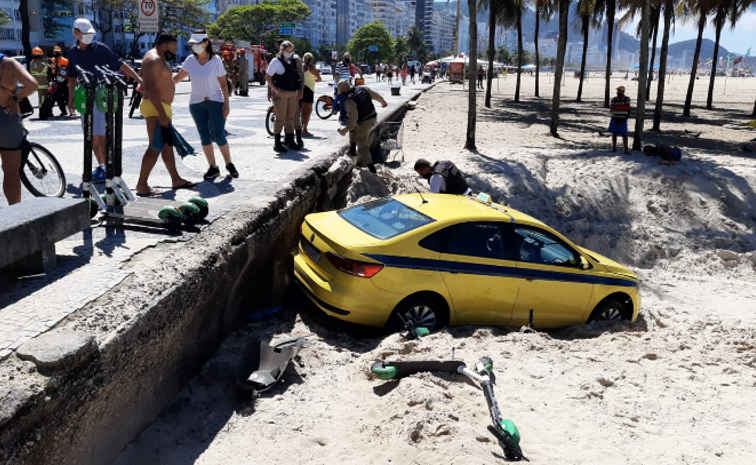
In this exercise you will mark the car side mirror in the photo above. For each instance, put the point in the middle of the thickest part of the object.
(584, 264)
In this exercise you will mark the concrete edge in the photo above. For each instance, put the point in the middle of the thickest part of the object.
(154, 329)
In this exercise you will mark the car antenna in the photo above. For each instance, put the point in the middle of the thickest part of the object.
(418, 191)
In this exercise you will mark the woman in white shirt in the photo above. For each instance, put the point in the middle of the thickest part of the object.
(208, 103)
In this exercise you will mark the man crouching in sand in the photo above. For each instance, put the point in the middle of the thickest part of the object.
(159, 90)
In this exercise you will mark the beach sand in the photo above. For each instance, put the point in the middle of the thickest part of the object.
(676, 387)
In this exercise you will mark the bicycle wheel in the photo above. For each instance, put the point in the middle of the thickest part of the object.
(324, 106)
(270, 120)
(41, 173)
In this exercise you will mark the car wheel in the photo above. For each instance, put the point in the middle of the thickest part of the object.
(427, 312)
(609, 310)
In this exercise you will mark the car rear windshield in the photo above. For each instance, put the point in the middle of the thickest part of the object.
(385, 218)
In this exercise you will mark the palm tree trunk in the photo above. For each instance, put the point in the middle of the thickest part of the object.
(537, 55)
(519, 54)
(642, 75)
(655, 25)
(491, 44)
(611, 8)
(718, 34)
(582, 61)
(668, 12)
(564, 13)
(694, 69)
(23, 11)
(471, 108)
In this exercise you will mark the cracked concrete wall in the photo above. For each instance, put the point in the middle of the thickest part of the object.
(153, 331)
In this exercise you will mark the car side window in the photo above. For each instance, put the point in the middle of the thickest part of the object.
(537, 246)
(482, 240)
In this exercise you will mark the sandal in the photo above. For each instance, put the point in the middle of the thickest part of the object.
(151, 193)
(186, 185)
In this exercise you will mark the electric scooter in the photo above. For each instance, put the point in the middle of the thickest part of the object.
(119, 205)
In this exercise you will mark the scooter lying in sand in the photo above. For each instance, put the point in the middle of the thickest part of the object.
(481, 372)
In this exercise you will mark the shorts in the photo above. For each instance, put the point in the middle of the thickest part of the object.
(148, 110)
(618, 126)
(98, 122)
(308, 97)
(11, 131)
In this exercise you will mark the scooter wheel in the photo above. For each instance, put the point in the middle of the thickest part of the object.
(190, 213)
(202, 204)
(171, 216)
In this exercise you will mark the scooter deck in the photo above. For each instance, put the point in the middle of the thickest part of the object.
(263, 365)
(144, 211)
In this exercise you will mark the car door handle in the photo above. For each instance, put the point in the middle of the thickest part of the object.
(529, 277)
(454, 270)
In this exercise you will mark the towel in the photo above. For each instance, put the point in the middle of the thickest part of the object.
(170, 136)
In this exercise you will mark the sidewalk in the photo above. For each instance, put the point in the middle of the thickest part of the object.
(97, 260)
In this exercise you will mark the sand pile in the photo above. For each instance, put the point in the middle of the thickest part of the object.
(676, 387)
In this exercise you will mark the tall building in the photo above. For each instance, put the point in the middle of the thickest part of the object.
(10, 34)
(384, 11)
(320, 27)
(424, 17)
(442, 35)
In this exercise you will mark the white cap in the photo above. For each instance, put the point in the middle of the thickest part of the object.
(197, 38)
(84, 26)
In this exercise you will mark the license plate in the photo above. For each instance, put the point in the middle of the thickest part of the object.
(312, 252)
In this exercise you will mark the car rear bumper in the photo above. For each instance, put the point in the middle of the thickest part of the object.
(358, 302)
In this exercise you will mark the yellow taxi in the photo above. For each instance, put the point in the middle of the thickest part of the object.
(448, 259)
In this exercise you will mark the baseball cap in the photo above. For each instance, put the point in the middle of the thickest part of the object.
(621, 87)
(197, 38)
(84, 26)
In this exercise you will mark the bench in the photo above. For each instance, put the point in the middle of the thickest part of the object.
(30, 229)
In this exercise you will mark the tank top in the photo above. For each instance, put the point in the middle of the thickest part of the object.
(309, 80)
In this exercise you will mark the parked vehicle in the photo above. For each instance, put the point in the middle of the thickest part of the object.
(449, 259)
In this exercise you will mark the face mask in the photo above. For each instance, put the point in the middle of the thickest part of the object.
(57, 54)
(288, 54)
(169, 55)
(87, 38)
(347, 61)
(198, 48)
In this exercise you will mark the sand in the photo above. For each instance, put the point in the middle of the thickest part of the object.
(676, 387)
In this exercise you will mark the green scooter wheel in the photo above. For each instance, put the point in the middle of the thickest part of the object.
(190, 213)
(388, 372)
(172, 217)
(202, 204)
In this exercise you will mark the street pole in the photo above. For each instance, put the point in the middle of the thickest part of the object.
(456, 30)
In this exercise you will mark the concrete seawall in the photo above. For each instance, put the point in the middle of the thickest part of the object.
(81, 392)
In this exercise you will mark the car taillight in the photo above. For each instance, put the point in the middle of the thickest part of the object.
(353, 267)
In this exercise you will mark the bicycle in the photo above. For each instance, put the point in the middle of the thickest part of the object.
(324, 106)
(40, 172)
(270, 120)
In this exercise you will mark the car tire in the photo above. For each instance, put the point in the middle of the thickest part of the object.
(610, 310)
(430, 312)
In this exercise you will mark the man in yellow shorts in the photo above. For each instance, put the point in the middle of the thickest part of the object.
(159, 90)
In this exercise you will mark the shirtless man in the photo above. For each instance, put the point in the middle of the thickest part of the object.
(159, 90)
(11, 129)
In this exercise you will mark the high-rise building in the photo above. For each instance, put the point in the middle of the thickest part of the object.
(442, 34)
(384, 11)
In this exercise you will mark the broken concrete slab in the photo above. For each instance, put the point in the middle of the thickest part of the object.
(58, 349)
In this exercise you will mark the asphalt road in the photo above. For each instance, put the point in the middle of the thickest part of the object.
(90, 263)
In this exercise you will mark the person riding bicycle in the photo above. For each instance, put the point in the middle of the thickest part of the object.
(12, 133)
(342, 72)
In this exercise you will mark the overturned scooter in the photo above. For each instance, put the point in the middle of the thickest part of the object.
(263, 365)
(481, 372)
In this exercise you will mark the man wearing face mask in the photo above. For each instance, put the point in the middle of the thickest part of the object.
(159, 90)
(89, 54)
(443, 176)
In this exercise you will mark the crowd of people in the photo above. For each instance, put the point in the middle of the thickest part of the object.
(213, 77)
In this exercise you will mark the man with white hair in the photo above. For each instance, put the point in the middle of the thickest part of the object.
(361, 118)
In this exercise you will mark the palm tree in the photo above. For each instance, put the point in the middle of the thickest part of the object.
(495, 13)
(543, 11)
(586, 17)
(472, 91)
(669, 9)
(640, 111)
(415, 42)
(400, 49)
(611, 11)
(655, 17)
(726, 10)
(564, 13)
(701, 9)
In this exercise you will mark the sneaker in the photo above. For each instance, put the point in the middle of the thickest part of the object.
(212, 172)
(98, 175)
(232, 170)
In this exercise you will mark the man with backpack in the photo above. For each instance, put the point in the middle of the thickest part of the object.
(443, 176)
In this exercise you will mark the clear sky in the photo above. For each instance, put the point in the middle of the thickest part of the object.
(736, 40)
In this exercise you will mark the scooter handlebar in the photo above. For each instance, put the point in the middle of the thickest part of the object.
(111, 76)
(82, 74)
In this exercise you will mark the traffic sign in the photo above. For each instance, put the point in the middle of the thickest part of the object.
(287, 25)
(148, 16)
(372, 48)
(285, 31)
(411, 53)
